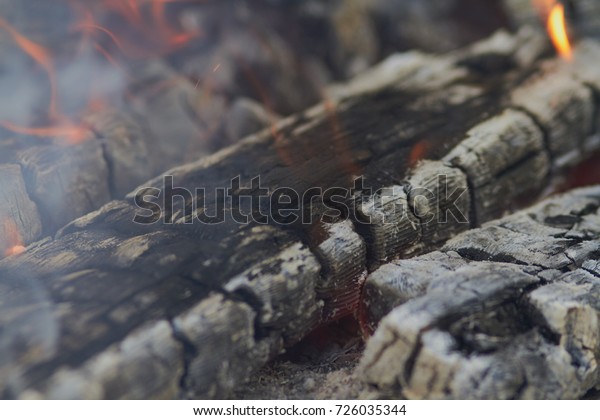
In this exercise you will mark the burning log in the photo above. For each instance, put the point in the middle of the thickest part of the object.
(200, 306)
(503, 312)
(187, 77)
(67, 178)
(67, 181)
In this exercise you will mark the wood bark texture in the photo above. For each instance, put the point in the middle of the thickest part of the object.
(510, 310)
(113, 308)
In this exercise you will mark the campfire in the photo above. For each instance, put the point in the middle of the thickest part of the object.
(210, 199)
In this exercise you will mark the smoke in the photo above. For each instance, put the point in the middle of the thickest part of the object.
(80, 79)
(28, 329)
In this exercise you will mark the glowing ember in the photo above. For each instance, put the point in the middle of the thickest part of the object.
(554, 13)
(14, 243)
(15, 250)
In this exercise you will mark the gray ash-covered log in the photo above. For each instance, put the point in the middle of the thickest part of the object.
(469, 325)
(503, 160)
(119, 299)
(510, 310)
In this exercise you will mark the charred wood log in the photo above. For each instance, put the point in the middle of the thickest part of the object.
(121, 150)
(119, 299)
(183, 114)
(68, 181)
(506, 311)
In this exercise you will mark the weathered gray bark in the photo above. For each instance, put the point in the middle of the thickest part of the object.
(212, 303)
(510, 310)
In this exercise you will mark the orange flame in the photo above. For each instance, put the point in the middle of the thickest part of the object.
(61, 126)
(14, 243)
(142, 29)
(554, 13)
(557, 28)
(40, 55)
(149, 32)
(71, 133)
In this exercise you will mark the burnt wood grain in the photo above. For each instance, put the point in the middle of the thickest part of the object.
(109, 302)
(509, 310)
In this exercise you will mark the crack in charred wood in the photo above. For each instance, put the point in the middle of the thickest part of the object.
(189, 353)
(112, 185)
(473, 223)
